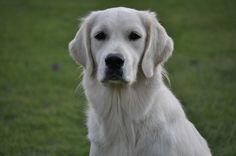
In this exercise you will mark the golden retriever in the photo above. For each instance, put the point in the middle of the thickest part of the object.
(130, 110)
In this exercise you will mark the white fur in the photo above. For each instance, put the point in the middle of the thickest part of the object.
(142, 117)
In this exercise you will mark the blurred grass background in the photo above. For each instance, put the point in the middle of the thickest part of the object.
(42, 114)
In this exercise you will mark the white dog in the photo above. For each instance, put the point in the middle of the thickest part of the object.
(130, 110)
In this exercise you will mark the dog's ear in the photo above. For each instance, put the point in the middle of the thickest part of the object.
(79, 47)
(159, 45)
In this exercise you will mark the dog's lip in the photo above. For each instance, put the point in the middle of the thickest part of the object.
(115, 79)
(114, 76)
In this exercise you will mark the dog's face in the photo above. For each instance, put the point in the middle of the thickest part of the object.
(113, 44)
(117, 43)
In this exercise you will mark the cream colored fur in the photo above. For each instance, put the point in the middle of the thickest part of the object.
(141, 117)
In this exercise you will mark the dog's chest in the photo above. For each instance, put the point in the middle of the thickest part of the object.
(116, 134)
(120, 139)
(119, 129)
(119, 149)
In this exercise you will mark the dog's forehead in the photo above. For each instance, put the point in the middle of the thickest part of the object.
(117, 16)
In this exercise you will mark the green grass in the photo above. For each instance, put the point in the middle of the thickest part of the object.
(41, 113)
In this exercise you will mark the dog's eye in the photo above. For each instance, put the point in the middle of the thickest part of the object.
(100, 36)
(133, 36)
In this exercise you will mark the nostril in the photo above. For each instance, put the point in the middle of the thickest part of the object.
(114, 61)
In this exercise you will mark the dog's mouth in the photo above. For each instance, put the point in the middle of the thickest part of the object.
(115, 80)
(114, 77)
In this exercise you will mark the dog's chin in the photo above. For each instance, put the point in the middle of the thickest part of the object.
(115, 81)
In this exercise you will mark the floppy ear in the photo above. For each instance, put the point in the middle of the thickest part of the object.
(79, 47)
(159, 45)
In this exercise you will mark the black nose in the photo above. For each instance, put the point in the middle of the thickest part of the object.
(114, 61)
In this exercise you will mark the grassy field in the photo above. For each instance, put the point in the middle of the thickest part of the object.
(42, 113)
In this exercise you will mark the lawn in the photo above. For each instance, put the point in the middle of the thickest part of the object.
(41, 107)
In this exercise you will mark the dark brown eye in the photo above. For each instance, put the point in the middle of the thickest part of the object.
(133, 36)
(101, 36)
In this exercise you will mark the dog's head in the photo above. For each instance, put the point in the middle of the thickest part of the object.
(113, 44)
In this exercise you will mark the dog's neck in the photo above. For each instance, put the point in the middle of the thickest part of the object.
(130, 99)
(119, 108)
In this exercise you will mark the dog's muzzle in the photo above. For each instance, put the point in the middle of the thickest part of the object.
(114, 68)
